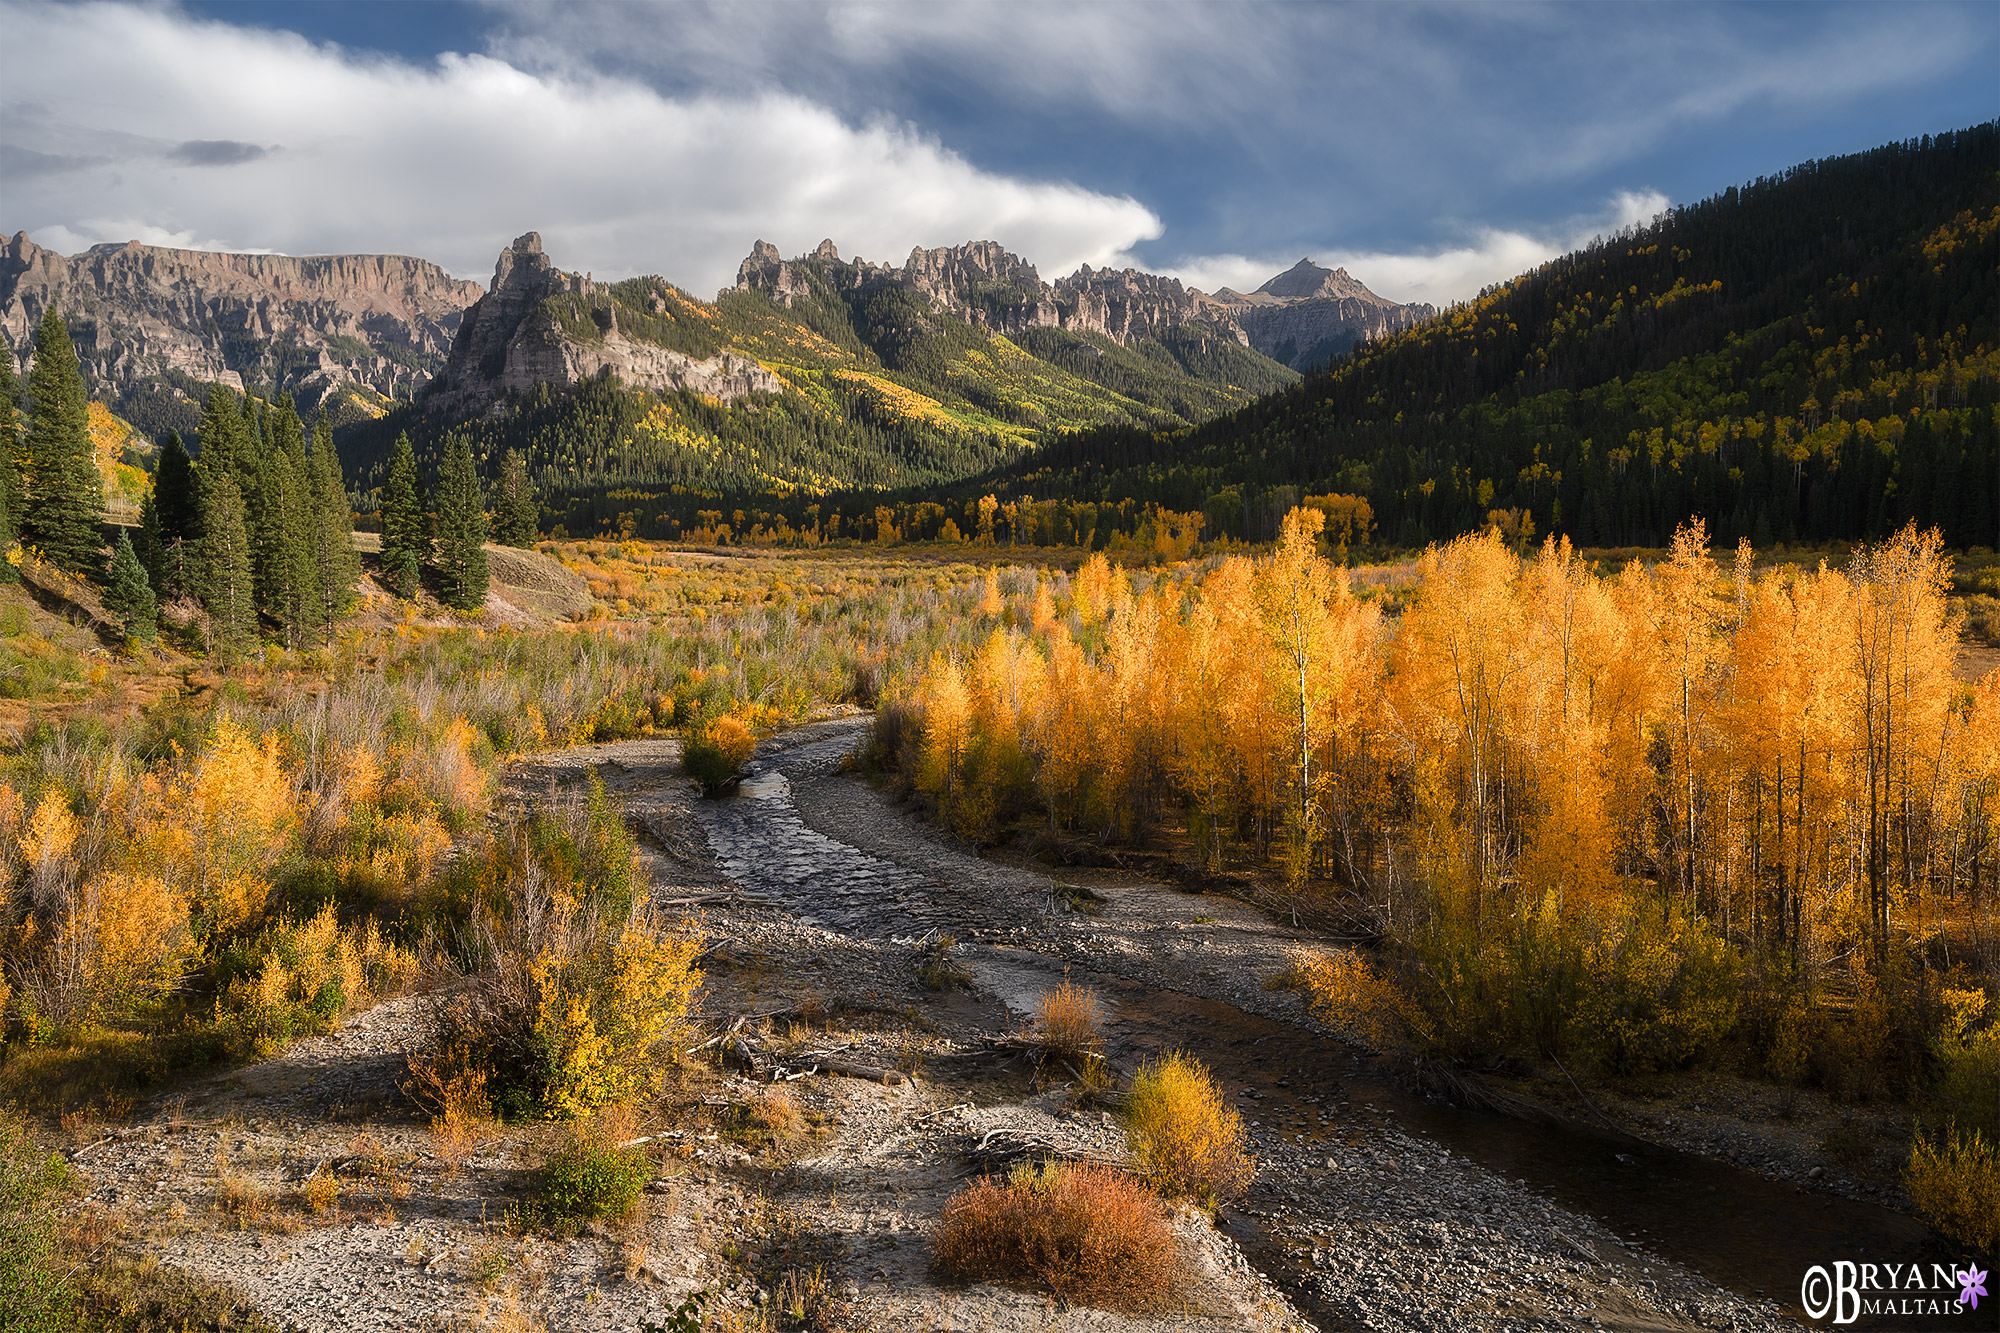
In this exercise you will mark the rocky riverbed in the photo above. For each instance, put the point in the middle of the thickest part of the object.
(1372, 1208)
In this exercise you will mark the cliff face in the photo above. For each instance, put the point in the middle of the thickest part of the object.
(999, 292)
(1301, 317)
(512, 341)
(1307, 314)
(147, 319)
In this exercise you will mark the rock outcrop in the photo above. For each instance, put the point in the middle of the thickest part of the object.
(998, 292)
(149, 317)
(1307, 315)
(514, 339)
(1301, 317)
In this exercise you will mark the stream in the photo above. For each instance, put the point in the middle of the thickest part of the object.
(1308, 1093)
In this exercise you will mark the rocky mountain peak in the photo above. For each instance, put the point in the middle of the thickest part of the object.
(1307, 281)
(516, 338)
(827, 251)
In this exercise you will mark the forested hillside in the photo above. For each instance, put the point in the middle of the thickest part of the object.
(1810, 357)
(635, 397)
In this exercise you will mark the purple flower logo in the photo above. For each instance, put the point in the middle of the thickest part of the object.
(1974, 1281)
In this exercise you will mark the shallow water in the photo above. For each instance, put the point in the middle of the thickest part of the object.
(1740, 1230)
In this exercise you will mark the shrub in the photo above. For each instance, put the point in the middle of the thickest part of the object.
(572, 990)
(300, 978)
(1968, 1062)
(1956, 1183)
(35, 1291)
(714, 754)
(1068, 1026)
(590, 1179)
(1084, 1233)
(450, 1083)
(1346, 992)
(1184, 1141)
(937, 969)
(1660, 994)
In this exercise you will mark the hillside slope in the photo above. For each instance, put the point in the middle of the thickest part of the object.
(810, 375)
(1813, 356)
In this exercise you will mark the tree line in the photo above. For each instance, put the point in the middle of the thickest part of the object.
(255, 526)
(1620, 816)
(1813, 357)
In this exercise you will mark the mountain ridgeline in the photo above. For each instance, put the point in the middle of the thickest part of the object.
(344, 334)
(810, 375)
(1811, 357)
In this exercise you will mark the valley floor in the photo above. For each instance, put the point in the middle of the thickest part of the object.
(1372, 1209)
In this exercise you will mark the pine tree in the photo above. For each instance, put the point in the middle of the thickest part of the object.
(224, 561)
(170, 521)
(461, 530)
(337, 567)
(405, 528)
(516, 515)
(64, 495)
(282, 533)
(129, 596)
(222, 443)
(10, 473)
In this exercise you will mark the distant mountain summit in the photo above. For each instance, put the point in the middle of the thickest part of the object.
(1307, 281)
(541, 326)
(1308, 315)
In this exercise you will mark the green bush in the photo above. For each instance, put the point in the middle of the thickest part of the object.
(589, 1179)
(36, 1293)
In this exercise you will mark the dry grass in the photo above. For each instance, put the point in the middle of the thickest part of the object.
(1069, 1026)
(320, 1194)
(1085, 1234)
(448, 1082)
(1185, 1143)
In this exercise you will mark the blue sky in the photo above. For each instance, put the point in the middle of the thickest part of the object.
(1430, 148)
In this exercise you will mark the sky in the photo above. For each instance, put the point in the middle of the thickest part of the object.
(1431, 149)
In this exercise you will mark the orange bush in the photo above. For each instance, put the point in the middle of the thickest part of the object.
(1184, 1141)
(1086, 1234)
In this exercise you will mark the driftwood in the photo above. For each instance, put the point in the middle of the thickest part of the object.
(1000, 1149)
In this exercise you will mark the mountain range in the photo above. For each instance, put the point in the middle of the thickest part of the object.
(353, 335)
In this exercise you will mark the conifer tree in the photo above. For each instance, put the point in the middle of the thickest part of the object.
(10, 475)
(170, 521)
(64, 495)
(337, 567)
(224, 440)
(224, 561)
(461, 530)
(405, 527)
(129, 596)
(282, 528)
(516, 515)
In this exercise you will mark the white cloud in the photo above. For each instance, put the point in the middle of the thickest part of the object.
(450, 162)
(1453, 273)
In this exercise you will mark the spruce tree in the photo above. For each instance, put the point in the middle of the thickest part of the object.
(10, 474)
(337, 566)
(224, 441)
(405, 528)
(63, 505)
(224, 561)
(460, 538)
(129, 596)
(170, 521)
(281, 528)
(516, 515)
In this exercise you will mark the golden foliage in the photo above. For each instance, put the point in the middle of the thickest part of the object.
(1185, 1142)
(1955, 1181)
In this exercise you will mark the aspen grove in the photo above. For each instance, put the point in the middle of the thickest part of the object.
(1627, 816)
